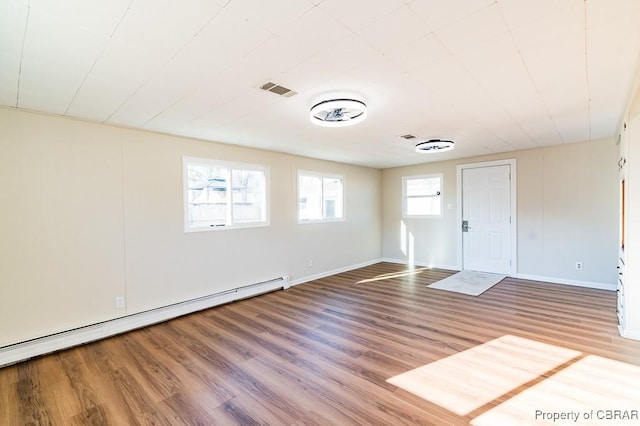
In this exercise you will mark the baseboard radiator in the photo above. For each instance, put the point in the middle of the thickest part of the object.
(43, 345)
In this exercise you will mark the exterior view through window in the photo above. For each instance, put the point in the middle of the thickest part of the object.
(320, 197)
(422, 196)
(220, 195)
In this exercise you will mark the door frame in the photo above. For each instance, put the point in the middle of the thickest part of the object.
(514, 213)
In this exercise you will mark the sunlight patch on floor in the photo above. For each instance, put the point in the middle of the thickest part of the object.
(394, 275)
(593, 390)
(468, 380)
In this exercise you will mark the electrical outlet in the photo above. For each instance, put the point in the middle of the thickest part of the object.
(120, 302)
(310, 263)
(579, 266)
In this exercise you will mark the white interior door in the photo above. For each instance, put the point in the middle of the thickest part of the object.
(486, 215)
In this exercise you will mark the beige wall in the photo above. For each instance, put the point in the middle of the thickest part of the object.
(91, 212)
(61, 244)
(567, 211)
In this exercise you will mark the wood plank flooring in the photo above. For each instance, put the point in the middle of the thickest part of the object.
(317, 354)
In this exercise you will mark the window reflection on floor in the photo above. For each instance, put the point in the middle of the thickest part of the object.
(593, 390)
(552, 384)
(400, 274)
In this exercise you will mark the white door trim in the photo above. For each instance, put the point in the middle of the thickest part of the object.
(514, 217)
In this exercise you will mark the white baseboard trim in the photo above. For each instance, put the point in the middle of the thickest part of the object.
(423, 264)
(629, 334)
(576, 283)
(554, 280)
(334, 272)
(40, 346)
(43, 345)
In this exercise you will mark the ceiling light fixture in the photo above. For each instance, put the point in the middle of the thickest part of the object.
(434, 145)
(338, 112)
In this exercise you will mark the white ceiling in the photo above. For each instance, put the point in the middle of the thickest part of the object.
(493, 75)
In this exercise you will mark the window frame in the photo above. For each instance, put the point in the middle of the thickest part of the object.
(230, 166)
(405, 197)
(299, 198)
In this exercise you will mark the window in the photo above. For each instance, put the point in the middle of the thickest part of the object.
(222, 195)
(320, 197)
(422, 196)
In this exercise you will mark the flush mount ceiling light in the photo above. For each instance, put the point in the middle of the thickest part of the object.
(434, 145)
(338, 112)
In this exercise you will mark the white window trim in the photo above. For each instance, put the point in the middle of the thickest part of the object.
(231, 165)
(404, 196)
(320, 175)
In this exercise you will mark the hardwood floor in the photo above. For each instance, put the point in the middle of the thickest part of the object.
(321, 353)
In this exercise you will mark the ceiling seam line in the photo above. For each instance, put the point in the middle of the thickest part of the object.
(180, 50)
(104, 48)
(433, 33)
(215, 15)
(24, 38)
(453, 55)
(528, 71)
(190, 92)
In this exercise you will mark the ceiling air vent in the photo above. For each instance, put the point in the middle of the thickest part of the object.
(278, 90)
(408, 136)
